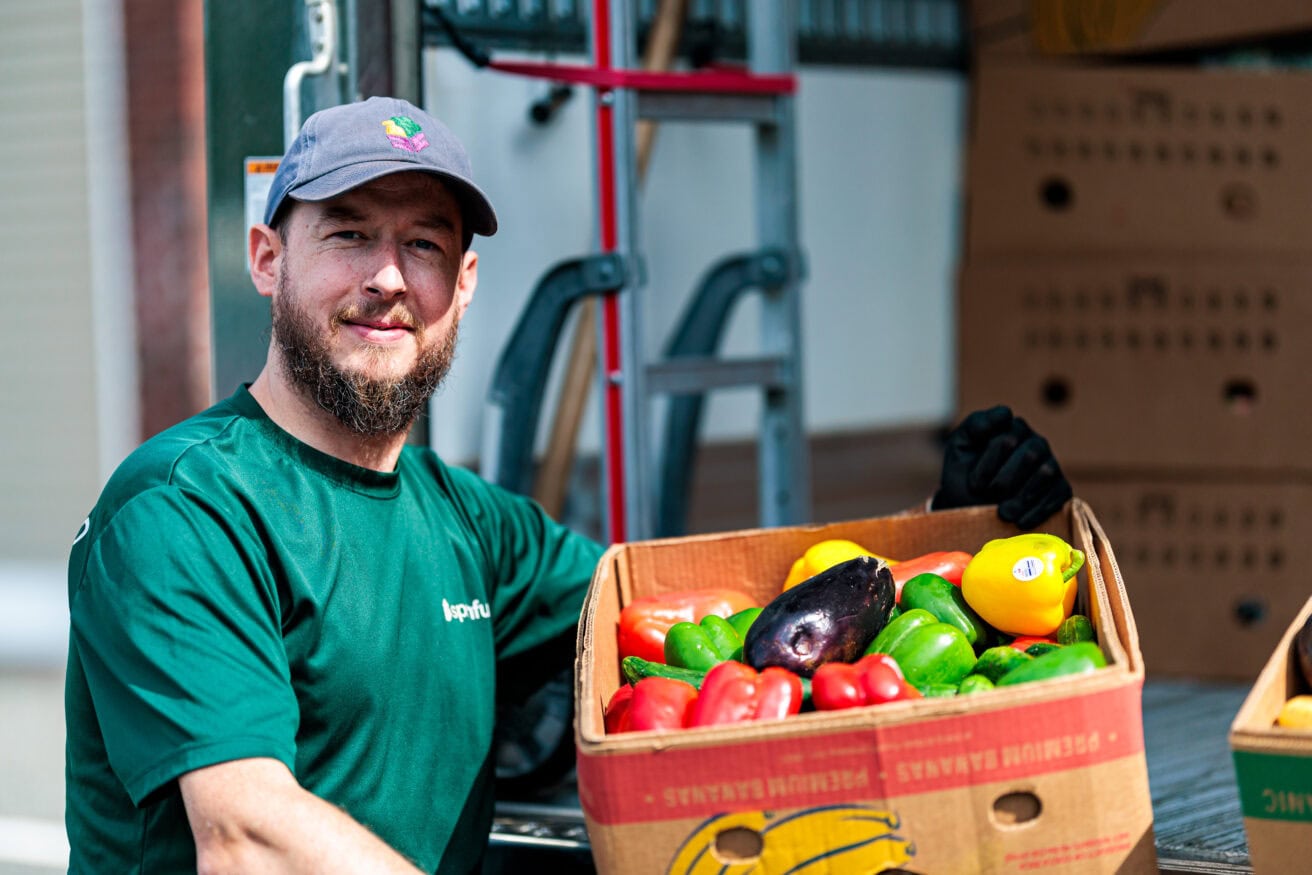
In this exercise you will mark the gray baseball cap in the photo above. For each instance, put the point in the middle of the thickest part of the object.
(345, 146)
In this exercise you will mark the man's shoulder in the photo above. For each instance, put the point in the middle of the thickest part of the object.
(197, 446)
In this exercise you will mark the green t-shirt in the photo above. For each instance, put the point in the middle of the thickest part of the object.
(235, 593)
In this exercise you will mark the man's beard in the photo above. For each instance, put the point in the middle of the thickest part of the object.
(367, 407)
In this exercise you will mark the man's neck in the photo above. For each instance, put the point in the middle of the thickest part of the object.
(303, 419)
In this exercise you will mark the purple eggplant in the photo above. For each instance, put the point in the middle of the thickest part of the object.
(832, 616)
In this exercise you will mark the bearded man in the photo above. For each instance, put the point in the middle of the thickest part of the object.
(289, 628)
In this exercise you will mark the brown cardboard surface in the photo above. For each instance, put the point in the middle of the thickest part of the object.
(1132, 159)
(1274, 766)
(1058, 27)
(1006, 781)
(1145, 362)
(1213, 567)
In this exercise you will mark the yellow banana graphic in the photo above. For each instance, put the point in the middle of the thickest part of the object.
(833, 838)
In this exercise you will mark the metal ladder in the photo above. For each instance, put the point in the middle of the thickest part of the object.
(635, 507)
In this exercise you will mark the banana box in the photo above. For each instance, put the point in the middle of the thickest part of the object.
(1273, 765)
(1048, 776)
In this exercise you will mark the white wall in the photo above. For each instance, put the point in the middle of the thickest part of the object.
(879, 176)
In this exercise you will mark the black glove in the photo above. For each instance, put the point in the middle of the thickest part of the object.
(993, 457)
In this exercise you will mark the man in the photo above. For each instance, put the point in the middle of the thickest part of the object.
(288, 628)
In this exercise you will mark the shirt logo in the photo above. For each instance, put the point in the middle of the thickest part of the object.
(404, 133)
(475, 610)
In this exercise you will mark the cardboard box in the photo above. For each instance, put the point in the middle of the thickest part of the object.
(1214, 567)
(1273, 766)
(1120, 27)
(1132, 159)
(1189, 363)
(1046, 776)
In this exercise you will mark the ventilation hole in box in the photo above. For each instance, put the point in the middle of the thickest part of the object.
(1188, 153)
(1243, 157)
(1248, 559)
(1012, 809)
(738, 845)
(1240, 396)
(1136, 151)
(1269, 342)
(1084, 149)
(1081, 339)
(1241, 300)
(1161, 339)
(1132, 338)
(1108, 300)
(1082, 299)
(1186, 339)
(1056, 392)
(1270, 159)
(1142, 556)
(1168, 556)
(1187, 299)
(1273, 117)
(1270, 301)
(1214, 340)
(1276, 519)
(1218, 116)
(1109, 151)
(1250, 610)
(1087, 111)
(1108, 339)
(1214, 300)
(1189, 113)
(1247, 518)
(1241, 340)
(1275, 560)
(1244, 115)
(1195, 556)
(1056, 194)
(1216, 155)
(1220, 519)
(1058, 148)
(1054, 300)
(1239, 201)
(1163, 153)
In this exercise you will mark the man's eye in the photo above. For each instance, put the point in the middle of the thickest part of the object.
(348, 235)
(426, 245)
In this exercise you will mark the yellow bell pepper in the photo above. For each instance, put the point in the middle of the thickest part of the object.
(1296, 713)
(825, 555)
(1023, 585)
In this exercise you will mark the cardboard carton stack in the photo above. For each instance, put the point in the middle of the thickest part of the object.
(1137, 282)
(1045, 776)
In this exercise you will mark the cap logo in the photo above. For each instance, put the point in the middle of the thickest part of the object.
(404, 133)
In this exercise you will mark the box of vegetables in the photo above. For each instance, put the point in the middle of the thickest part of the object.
(1271, 740)
(929, 692)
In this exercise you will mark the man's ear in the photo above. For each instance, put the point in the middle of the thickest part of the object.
(264, 246)
(466, 282)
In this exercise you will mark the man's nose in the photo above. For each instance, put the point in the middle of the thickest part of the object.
(387, 279)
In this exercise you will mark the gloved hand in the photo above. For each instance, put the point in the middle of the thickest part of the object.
(994, 457)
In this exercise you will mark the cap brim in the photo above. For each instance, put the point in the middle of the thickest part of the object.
(479, 217)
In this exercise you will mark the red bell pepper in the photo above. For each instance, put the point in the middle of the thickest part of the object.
(617, 710)
(644, 622)
(871, 680)
(733, 693)
(1024, 642)
(661, 703)
(950, 564)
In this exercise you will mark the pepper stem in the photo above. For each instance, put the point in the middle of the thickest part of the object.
(1077, 562)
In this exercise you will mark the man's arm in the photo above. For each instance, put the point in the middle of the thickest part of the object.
(251, 816)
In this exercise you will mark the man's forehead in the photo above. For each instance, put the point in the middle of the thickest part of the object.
(423, 193)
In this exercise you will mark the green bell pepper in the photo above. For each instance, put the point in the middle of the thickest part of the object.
(702, 645)
(935, 653)
(892, 634)
(941, 598)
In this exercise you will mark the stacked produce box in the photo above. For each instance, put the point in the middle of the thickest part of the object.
(1271, 738)
(1136, 283)
(862, 716)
